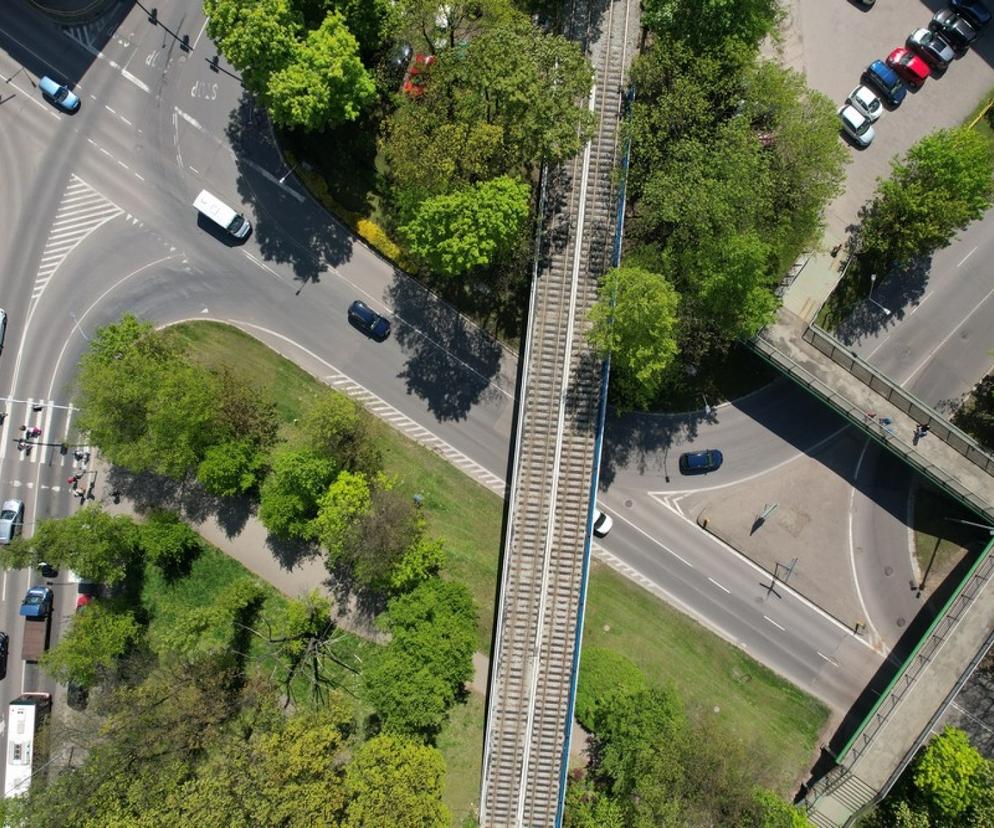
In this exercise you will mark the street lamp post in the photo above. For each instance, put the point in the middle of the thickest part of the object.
(873, 279)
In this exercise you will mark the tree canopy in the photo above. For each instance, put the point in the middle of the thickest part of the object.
(703, 22)
(945, 181)
(456, 232)
(90, 648)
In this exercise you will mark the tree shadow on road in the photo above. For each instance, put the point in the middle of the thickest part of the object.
(302, 234)
(450, 361)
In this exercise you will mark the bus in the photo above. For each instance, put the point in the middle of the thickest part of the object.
(25, 716)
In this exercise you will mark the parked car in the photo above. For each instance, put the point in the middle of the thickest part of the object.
(879, 75)
(602, 523)
(954, 29)
(11, 520)
(59, 94)
(972, 11)
(864, 100)
(4, 651)
(46, 570)
(913, 70)
(700, 462)
(933, 48)
(77, 696)
(37, 602)
(856, 125)
(368, 321)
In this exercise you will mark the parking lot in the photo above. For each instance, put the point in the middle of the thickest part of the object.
(833, 41)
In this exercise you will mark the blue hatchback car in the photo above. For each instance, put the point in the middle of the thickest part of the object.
(58, 94)
(885, 79)
(37, 603)
(700, 462)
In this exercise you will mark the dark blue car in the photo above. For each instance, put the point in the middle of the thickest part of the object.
(700, 462)
(37, 603)
(973, 11)
(368, 321)
(886, 81)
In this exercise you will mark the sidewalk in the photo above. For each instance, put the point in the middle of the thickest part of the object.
(815, 283)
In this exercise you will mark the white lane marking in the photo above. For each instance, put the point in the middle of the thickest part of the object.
(125, 120)
(781, 586)
(189, 119)
(194, 170)
(264, 266)
(925, 298)
(852, 546)
(199, 35)
(946, 338)
(722, 588)
(967, 256)
(3, 594)
(831, 661)
(111, 111)
(775, 624)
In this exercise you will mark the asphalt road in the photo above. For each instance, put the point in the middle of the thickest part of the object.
(117, 180)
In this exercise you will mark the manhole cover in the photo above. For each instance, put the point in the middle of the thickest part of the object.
(607, 628)
(628, 504)
(888, 571)
(900, 622)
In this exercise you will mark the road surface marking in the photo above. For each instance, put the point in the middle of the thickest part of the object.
(852, 547)
(775, 624)
(923, 301)
(264, 266)
(967, 256)
(199, 34)
(829, 660)
(722, 588)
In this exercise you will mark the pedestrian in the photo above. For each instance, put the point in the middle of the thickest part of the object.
(35, 431)
(72, 481)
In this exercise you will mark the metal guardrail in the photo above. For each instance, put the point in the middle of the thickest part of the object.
(939, 426)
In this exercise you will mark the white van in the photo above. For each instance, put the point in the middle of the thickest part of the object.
(220, 213)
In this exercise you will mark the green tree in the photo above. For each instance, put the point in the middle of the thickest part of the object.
(422, 560)
(335, 425)
(773, 812)
(395, 783)
(258, 37)
(950, 775)
(95, 545)
(232, 468)
(288, 498)
(345, 501)
(246, 411)
(634, 322)
(469, 228)
(326, 83)
(587, 806)
(379, 539)
(90, 648)
(502, 104)
(704, 22)
(415, 678)
(945, 181)
(603, 674)
(432, 28)
(168, 542)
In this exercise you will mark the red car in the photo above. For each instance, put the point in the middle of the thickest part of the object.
(913, 70)
(417, 75)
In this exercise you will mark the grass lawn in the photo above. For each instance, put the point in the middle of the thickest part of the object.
(940, 544)
(763, 710)
(211, 573)
(461, 743)
(781, 722)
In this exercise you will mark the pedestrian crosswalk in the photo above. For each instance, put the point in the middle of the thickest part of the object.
(40, 432)
(81, 211)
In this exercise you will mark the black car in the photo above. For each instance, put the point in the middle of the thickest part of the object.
(368, 321)
(4, 649)
(953, 28)
(972, 11)
(700, 462)
(77, 696)
(46, 570)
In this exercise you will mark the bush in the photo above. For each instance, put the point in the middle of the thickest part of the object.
(168, 542)
(603, 675)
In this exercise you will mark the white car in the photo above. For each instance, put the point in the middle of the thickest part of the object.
(866, 101)
(936, 52)
(11, 520)
(602, 523)
(856, 125)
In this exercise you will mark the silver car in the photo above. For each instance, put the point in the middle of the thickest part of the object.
(11, 520)
(934, 50)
